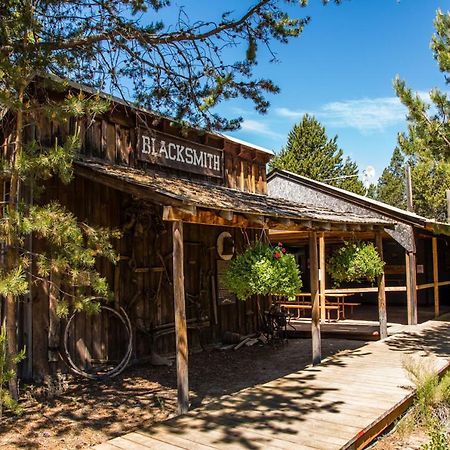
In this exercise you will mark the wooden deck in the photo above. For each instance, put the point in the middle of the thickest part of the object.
(341, 404)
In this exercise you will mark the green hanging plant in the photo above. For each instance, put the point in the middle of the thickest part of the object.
(263, 269)
(355, 261)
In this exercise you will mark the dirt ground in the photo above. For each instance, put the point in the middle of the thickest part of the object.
(399, 441)
(88, 413)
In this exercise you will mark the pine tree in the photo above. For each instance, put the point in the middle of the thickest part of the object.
(428, 126)
(391, 185)
(309, 152)
(427, 141)
(430, 180)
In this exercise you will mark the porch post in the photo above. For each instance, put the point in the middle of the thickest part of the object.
(322, 275)
(180, 318)
(314, 277)
(435, 276)
(411, 287)
(381, 291)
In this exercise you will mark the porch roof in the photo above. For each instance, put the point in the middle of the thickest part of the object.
(201, 202)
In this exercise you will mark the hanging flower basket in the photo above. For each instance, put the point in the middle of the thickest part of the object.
(355, 261)
(263, 269)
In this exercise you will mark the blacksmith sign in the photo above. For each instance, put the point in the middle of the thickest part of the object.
(170, 151)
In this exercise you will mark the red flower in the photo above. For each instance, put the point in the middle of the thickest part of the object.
(277, 255)
(280, 244)
(283, 250)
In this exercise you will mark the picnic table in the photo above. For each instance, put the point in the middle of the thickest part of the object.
(338, 305)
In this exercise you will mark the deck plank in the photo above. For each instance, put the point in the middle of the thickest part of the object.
(326, 407)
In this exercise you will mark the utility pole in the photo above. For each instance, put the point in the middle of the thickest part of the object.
(409, 196)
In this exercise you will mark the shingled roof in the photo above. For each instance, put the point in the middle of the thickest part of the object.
(374, 208)
(168, 190)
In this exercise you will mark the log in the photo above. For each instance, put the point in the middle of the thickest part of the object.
(411, 288)
(322, 275)
(435, 276)
(315, 322)
(381, 291)
(180, 318)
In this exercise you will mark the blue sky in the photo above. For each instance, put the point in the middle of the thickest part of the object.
(341, 70)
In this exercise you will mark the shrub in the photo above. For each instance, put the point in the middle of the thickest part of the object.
(263, 269)
(355, 261)
(431, 406)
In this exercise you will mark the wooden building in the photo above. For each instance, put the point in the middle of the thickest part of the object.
(416, 250)
(175, 195)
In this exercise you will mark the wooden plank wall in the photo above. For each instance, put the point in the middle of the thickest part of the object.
(143, 282)
(114, 139)
(142, 277)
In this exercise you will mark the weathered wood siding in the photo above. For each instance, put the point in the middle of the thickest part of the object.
(142, 283)
(113, 138)
(142, 280)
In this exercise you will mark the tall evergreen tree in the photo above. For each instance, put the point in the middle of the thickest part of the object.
(430, 181)
(427, 141)
(310, 153)
(429, 129)
(391, 185)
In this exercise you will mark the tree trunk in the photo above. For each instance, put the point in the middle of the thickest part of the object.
(12, 258)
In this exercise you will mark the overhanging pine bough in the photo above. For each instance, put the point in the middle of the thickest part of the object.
(176, 69)
(261, 270)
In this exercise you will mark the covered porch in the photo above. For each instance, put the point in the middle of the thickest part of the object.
(416, 282)
(211, 209)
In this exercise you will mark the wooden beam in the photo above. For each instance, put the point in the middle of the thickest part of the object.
(322, 275)
(227, 215)
(256, 220)
(314, 277)
(381, 291)
(324, 226)
(241, 177)
(188, 209)
(435, 276)
(180, 318)
(364, 290)
(411, 287)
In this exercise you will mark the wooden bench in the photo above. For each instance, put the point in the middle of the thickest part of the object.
(304, 306)
(342, 306)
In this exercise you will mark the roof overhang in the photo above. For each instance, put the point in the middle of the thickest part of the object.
(390, 212)
(210, 204)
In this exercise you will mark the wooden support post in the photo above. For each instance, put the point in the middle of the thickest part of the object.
(53, 318)
(180, 318)
(435, 276)
(411, 288)
(381, 291)
(322, 275)
(314, 277)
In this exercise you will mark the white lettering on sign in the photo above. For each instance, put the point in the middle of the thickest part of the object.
(173, 152)
(146, 145)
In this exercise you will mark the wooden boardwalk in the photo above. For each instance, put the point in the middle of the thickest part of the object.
(340, 404)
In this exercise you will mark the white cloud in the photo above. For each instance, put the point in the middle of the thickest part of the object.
(289, 113)
(363, 114)
(257, 127)
(366, 114)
